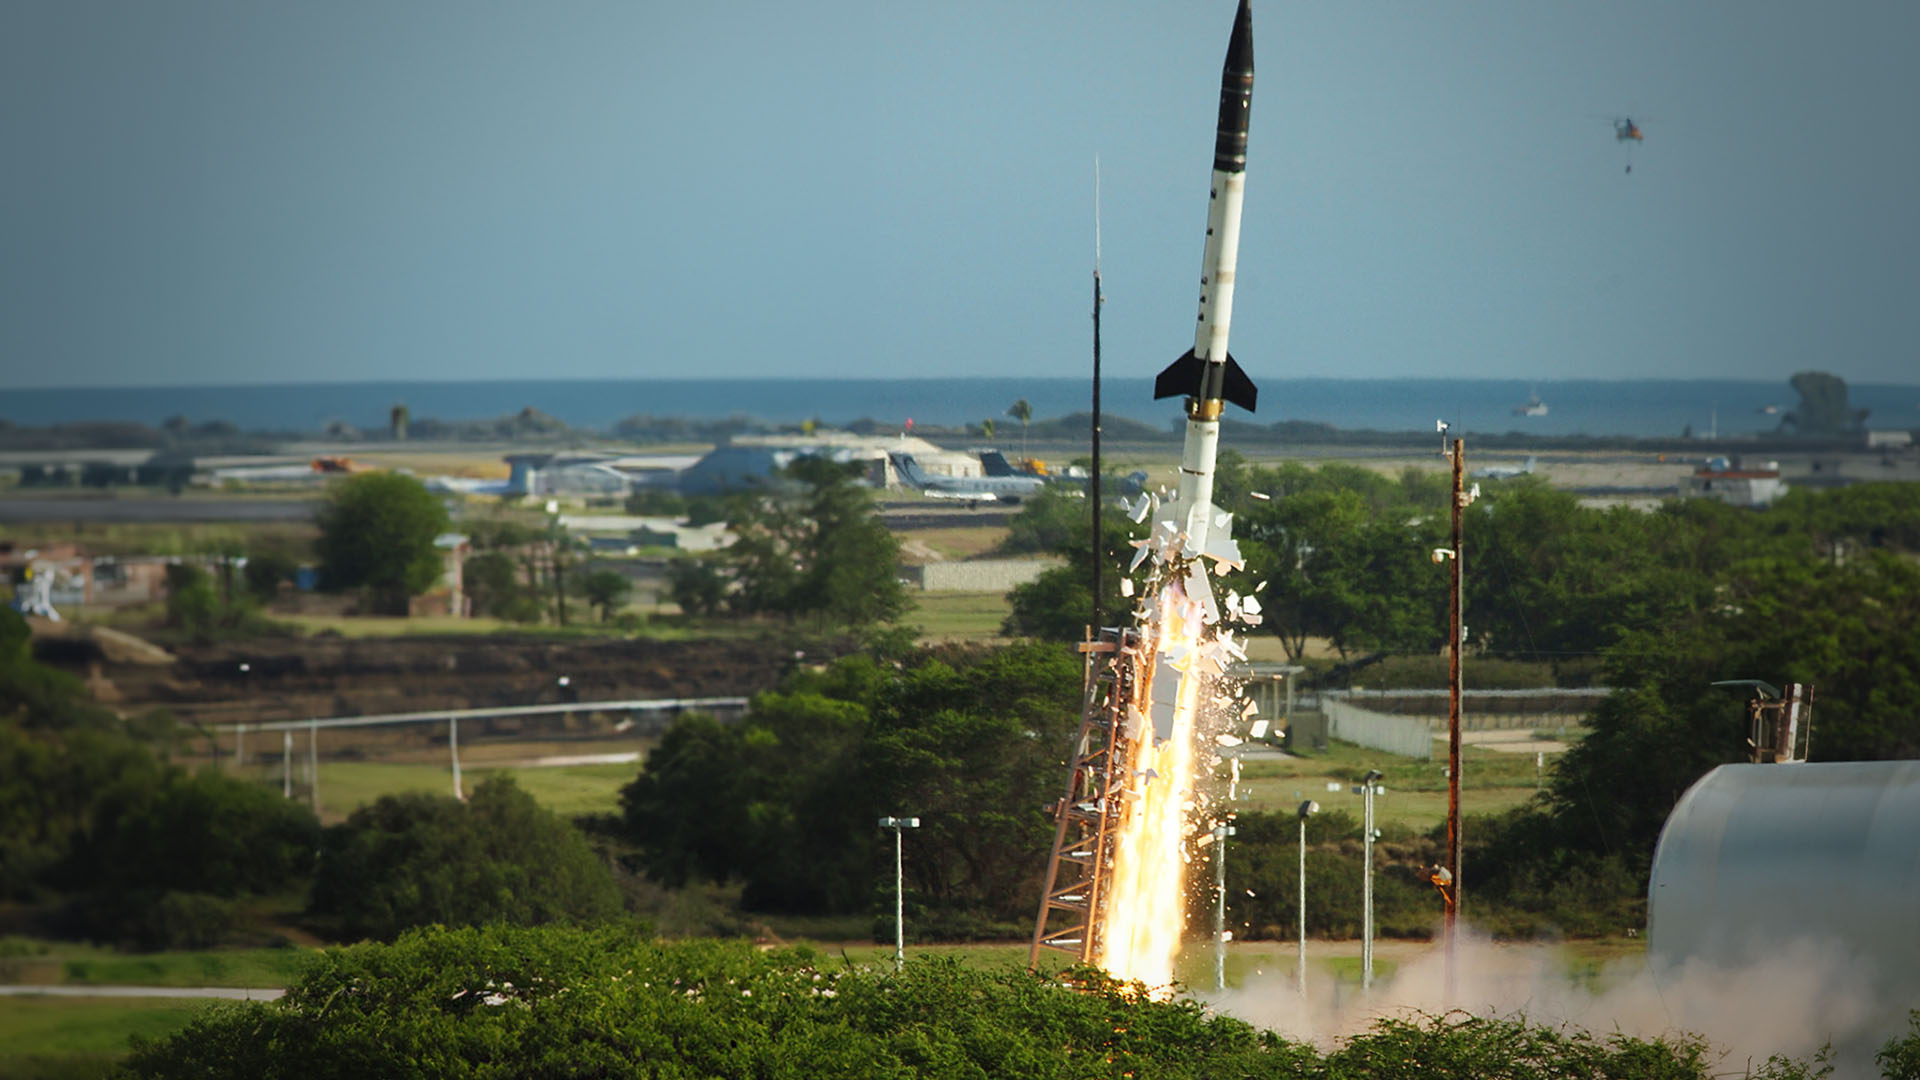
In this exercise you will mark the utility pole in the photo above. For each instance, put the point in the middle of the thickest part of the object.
(1220, 833)
(1300, 969)
(899, 827)
(453, 749)
(1451, 891)
(313, 766)
(557, 542)
(1099, 553)
(1369, 784)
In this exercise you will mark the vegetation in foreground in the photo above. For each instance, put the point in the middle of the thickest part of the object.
(553, 1002)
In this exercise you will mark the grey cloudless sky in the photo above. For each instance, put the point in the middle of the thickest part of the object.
(231, 191)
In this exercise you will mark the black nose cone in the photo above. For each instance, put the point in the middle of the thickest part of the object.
(1236, 95)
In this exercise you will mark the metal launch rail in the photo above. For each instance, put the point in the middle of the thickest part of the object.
(1072, 915)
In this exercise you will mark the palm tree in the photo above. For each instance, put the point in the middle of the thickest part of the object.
(1022, 412)
(986, 430)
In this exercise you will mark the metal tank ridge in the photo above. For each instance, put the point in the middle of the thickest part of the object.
(1755, 858)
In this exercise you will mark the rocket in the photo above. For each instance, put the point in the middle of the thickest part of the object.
(1207, 375)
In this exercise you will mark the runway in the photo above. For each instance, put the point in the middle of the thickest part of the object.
(157, 509)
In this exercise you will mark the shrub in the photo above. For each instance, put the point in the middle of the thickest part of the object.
(412, 860)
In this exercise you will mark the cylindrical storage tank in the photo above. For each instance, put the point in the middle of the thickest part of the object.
(1757, 861)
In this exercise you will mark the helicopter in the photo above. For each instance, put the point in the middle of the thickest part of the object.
(1626, 131)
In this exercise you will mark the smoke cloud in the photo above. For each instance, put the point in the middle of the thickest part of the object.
(1801, 996)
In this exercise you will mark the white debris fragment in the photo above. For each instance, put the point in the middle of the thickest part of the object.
(1261, 495)
(1142, 550)
(1259, 730)
(1227, 740)
(1126, 586)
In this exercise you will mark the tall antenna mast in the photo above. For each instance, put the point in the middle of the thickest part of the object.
(1099, 552)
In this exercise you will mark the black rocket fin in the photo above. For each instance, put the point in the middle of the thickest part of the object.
(1181, 378)
(1239, 389)
(1185, 378)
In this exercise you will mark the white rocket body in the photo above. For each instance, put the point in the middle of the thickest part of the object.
(1210, 345)
(1206, 375)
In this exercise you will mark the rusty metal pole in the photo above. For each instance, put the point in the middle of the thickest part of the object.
(1455, 633)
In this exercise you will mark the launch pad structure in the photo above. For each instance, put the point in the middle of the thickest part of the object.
(1087, 818)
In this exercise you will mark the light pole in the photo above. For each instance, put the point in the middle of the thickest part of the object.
(1447, 880)
(1220, 834)
(899, 825)
(239, 746)
(1300, 972)
(1368, 784)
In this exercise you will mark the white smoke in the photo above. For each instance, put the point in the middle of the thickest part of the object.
(1802, 996)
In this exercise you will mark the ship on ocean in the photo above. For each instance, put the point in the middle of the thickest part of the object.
(1532, 407)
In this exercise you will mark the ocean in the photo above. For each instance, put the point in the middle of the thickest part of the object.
(1645, 408)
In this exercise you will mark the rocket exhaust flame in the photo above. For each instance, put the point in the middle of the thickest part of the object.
(1147, 892)
(1134, 797)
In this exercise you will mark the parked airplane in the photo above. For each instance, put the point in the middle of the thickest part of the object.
(1504, 472)
(1006, 488)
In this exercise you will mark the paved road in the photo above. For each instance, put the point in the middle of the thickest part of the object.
(235, 993)
(155, 509)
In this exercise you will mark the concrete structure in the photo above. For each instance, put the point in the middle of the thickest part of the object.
(1731, 483)
(449, 595)
(1482, 710)
(1889, 440)
(1272, 688)
(1405, 736)
(976, 575)
(566, 474)
(749, 461)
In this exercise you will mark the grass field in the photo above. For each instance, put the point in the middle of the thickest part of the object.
(958, 542)
(1491, 782)
(75, 964)
(958, 616)
(76, 1037)
(566, 790)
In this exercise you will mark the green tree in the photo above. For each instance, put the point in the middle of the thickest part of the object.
(205, 833)
(1022, 412)
(266, 571)
(1900, 1058)
(697, 584)
(1058, 604)
(192, 604)
(377, 532)
(687, 808)
(605, 589)
(815, 548)
(1823, 408)
(415, 859)
(1845, 629)
(785, 803)
(492, 581)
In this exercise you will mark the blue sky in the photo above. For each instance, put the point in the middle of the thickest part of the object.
(214, 192)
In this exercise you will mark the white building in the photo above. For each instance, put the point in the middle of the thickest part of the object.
(1731, 483)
